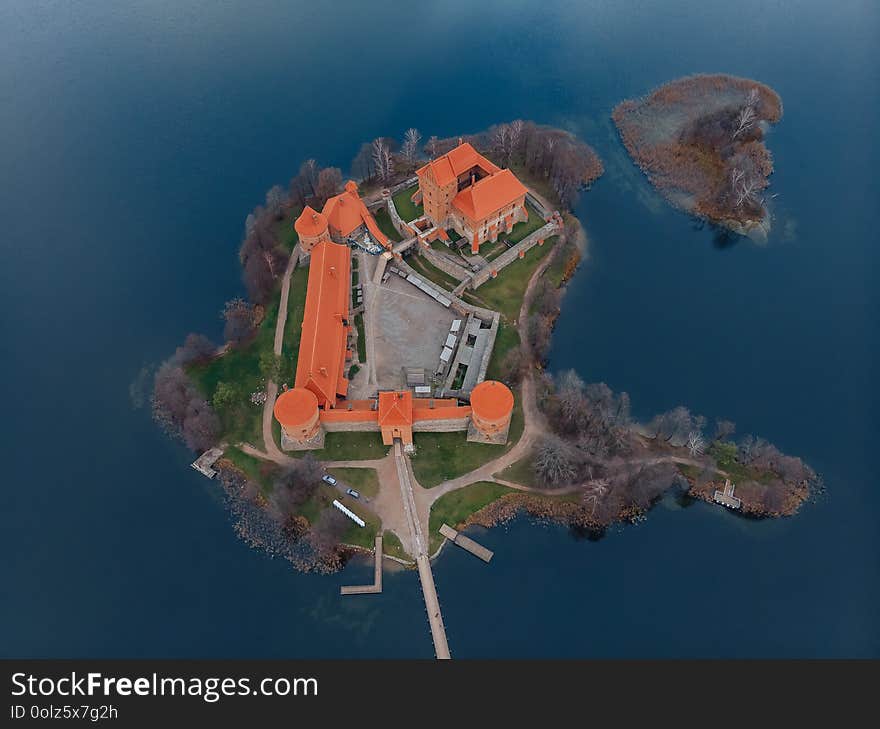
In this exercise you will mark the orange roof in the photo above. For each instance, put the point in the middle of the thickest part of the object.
(395, 408)
(320, 366)
(310, 223)
(295, 407)
(456, 162)
(489, 195)
(492, 400)
(346, 211)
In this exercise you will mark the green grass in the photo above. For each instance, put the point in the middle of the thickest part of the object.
(443, 456)
(431, 272)
(352, 371)
(506, 339)
(455, 507)
(383, 220)
(392, 545)
(725, 459)
(364, 480)
(256, 470)
(526, 227)
(453, 234)
(521, 472)
(348, 446)
(491, 251)
(404, 205)
(362, 338)
(285, 232)
(505, 292)
(296, 307)
(689, 471)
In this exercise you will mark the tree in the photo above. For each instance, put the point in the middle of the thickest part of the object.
(747, 115)
(295, 486)
(258, 278)
(225, 395)
(432, 146)
(724, 429)
(275, 200)
(554, 462)
(362, 165)
(411, 139)
(329, 182)
(382, 161)
(195, 348)
(240, 320)
(695, 443)
(201, 426)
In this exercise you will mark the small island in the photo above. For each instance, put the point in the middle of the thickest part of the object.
(700, 141)
(385, 383)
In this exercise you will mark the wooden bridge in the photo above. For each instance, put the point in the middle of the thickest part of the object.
(466, 543)
(377, 579)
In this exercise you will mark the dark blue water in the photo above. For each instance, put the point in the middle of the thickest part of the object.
(133, 142)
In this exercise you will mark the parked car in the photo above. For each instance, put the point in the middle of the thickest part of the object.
(327, 478)
(354, 494)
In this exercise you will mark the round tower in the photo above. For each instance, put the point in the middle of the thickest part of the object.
(491, 407)
(297, 411)
(311, 227)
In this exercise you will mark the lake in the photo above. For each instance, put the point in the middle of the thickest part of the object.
(135, 140)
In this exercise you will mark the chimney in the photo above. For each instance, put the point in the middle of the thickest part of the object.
(323, 371)
(333, 271)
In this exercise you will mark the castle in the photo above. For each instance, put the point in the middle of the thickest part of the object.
(464, 191)
(318, 403)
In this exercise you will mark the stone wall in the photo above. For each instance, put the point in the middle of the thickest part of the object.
(441, 426)
(444, 264)
(512, 254)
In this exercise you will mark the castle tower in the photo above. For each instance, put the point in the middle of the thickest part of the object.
(491, 408)
(297, 412)
(311, 227)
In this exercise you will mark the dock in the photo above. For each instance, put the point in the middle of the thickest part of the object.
(203, 464)
(466, 543)
(377, 578)
(726, 497)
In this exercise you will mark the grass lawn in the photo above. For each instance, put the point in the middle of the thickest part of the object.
(491, 251)
(284, 230)
(427, 269)
(296, 307)
(364, 480)
(404, 205)
(392, 545)
(453, 234)
(455, 507)
(521, 472)
(256, 470)
(505, 292)
(383, 220)
(524, 228)
(443, 456)
(362, 337)
(353, 446)
(506, 339)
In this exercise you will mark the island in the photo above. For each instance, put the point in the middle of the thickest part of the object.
(700, 141)
(385, 384)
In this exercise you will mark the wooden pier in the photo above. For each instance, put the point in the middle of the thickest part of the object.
(377, 579)
(466, 543)
(726, 497)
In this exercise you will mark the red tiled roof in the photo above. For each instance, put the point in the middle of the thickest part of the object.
(395, 408)
(346, 211)
(321, 362)
(310, 223)
(486, 196)
(456, 162)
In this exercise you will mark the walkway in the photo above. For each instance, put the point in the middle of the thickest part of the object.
(426, 577)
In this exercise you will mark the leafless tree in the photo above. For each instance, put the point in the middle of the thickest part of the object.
(411, 139)
(275, 200)
(554, 462)
(747, 115)
(382, 159)
(724, 429)
(329, 182)
(432, 145)
(195, 348)
(695, 443)
(239, 317)
(309, 172)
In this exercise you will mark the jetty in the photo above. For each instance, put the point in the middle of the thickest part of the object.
(726, 497)
(466, 543)
(204, 463)
(377, 578)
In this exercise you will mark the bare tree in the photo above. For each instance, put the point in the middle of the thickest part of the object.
(411, 139)
(382, 161)
(695, 443)
(329, 182)
(747, 115)
(195, 348)
(275, 199)
(433, 141)
(309, 173)
(724, 429)
(240, 320)
(554, 462)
